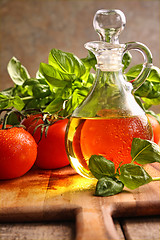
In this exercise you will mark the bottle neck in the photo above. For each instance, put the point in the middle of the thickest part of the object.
(109, 77)
(109, 57)
(113, 83)
(113, 65)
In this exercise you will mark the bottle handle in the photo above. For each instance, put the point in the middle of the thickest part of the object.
(139, 80)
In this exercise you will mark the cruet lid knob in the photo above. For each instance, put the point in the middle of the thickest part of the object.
(109, 24)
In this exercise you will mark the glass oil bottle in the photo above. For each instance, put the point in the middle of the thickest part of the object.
(109, 118)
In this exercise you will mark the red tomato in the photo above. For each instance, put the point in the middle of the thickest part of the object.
(51, 153)
(31, 119)
(18, 151)
(156, 129)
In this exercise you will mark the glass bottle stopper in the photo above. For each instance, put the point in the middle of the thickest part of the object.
(109, 24)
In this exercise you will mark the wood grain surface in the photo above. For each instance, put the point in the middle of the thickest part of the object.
(60, 201)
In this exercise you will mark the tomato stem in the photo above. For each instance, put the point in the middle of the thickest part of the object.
(8, 112)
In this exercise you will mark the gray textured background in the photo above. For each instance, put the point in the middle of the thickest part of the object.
(29, 29)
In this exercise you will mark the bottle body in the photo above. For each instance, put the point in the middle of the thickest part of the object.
(105, 123)
(108, 137)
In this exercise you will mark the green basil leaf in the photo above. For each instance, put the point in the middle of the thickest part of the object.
(7, 92)
(107, 186)
(66, 93)
(134, 71)
(149, 102)
(31, 82)
(55, 77)
(3, 97)
(74, 101)
(77, 83)
(156, 91)
(39, 87)
(66, 62)
(14, 101)
(4, 101)
(21, 91)
(100, 166)
(145, 89)
(41, 91)
(126, 60)
(83, 92)
(78, 97)
(90, 61)
(55, 105)
(154, 75)
(17, 103)
(149, 90)
(90, 79)
(145, 151)
(7, 101)
(81, 86)
(37, 103)
(133, 176)
(17, 71)
(33, 104)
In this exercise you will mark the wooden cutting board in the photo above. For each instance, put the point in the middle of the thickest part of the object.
(45, 195)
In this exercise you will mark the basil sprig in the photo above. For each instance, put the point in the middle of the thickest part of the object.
(131, 175)
(62, 84)
(59, 86)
